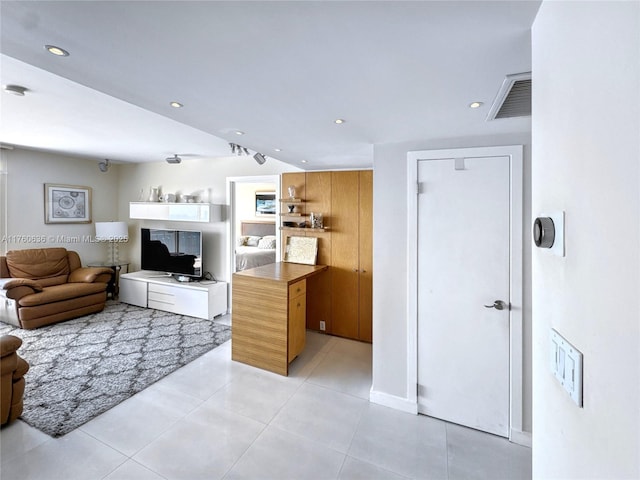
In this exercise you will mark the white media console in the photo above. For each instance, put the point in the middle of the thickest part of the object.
(154, 290)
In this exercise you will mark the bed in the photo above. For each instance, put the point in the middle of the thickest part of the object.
(256, 245)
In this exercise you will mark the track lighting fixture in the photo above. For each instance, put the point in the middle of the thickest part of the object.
(258, 157)
(173, 160)
(104, 166)
(238, 149)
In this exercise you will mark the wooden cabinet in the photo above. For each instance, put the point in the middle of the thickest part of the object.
(297, 318)
(351, 265)
(365, 256)
(268, 315)
(340, 299)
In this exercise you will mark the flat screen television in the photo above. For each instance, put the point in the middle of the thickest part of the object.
(265, 203)
(176, 252)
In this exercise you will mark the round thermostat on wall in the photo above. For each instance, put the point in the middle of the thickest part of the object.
(544, 232)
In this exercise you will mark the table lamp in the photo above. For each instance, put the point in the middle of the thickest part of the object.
(114, 233)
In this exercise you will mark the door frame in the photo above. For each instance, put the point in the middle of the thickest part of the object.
(232, 219)
(515, 154)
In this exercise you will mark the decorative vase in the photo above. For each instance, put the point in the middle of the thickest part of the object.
(316, 220)
(292, 191)
(154, 195)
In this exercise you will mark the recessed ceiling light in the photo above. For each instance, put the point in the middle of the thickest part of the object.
(60, 52)
(303, 161)
(277, 149)
(15, 90)
(476, 104)
(239, 132)
(176, 105)
(339, 121)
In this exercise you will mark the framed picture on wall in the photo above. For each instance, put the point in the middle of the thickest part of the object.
(265, 203)
(67, 203)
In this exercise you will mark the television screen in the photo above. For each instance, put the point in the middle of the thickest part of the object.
(178, 252)
(265, 203)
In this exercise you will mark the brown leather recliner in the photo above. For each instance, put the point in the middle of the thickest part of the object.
(12, 370)
(48, 285)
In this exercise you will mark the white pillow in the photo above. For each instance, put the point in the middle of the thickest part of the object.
(253, 241)
(267, 243)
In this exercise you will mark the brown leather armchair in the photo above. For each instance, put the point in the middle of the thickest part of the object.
(48, 285)
(12, 370)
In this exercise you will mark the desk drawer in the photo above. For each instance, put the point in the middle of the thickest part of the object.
(298, 288)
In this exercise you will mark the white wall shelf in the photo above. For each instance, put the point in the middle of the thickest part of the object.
(182, 212)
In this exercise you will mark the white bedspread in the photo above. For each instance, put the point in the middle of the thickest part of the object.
(251, 257)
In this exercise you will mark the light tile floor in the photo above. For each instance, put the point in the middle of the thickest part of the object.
(219, 419)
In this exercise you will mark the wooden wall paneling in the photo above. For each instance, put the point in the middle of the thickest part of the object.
(344, 253)
(319, 293)
(365, 236)
(318, 191)
(297, 179)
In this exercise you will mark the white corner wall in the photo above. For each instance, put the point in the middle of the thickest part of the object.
(586, 157)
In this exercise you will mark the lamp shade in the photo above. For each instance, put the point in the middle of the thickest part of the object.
(112, 231)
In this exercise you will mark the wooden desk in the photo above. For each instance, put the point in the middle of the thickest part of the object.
(268, 316)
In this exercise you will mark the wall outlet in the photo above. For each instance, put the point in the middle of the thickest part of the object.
(322, 325)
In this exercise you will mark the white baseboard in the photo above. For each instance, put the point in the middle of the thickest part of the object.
(392, 401)
(521, 438)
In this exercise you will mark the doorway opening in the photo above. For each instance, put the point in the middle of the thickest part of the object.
(251, 213)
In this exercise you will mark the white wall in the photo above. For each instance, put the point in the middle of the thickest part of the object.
(390, 258)
(246, 202)
(204, 176)
(27, 172)
(586, 155)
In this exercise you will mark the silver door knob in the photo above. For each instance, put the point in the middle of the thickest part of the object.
(498, 305)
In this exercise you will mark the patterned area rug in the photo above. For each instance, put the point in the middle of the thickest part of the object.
(82, 367)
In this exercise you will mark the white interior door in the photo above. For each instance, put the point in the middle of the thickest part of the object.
(463, 267)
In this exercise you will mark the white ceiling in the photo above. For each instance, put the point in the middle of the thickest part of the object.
(282, 72)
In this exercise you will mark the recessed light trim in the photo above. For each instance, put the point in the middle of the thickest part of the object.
(476, 104)
(15, 90)
(239, 132)
(176, 104)
(277, 149)
(303, 161)
(57, 51)
(339, 121)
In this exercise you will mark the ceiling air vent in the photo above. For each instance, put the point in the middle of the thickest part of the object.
(514, 97)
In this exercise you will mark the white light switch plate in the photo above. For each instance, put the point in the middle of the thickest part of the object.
(566, 365)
